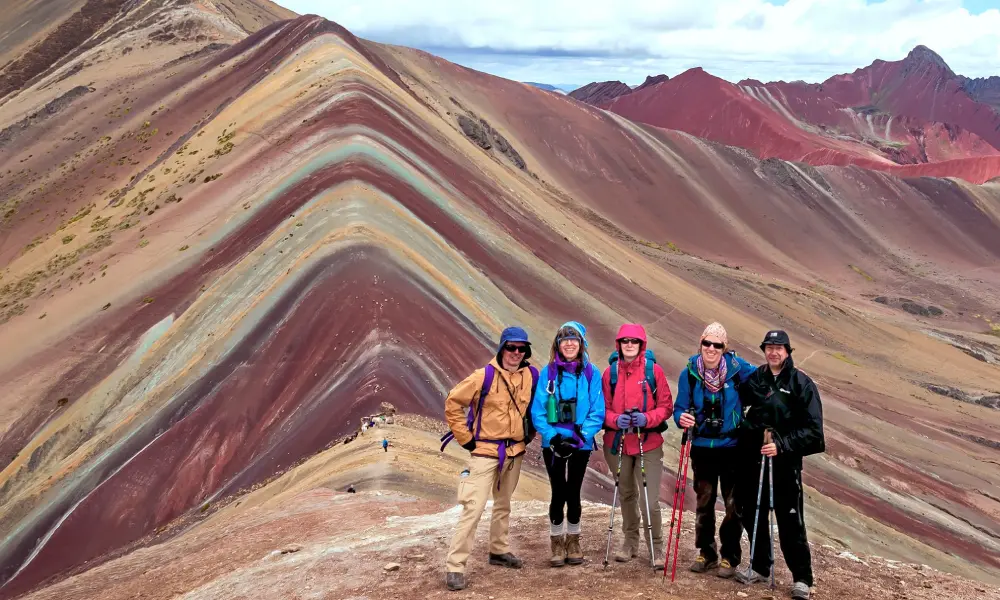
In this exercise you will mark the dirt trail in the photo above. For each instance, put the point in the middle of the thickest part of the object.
(321, 544)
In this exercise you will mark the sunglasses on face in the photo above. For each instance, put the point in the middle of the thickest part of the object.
(513, 348)
(716, 345)
(634, 341)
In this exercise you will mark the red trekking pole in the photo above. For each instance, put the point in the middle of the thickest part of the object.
(680, 488)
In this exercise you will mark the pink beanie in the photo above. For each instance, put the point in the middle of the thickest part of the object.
(718, 331)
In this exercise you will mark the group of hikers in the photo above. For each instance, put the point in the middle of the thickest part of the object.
(736, 418)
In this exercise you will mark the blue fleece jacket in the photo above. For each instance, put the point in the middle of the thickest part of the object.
(732, 410)
(589, 396)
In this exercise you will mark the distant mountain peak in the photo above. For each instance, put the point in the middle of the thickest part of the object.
(924, 55)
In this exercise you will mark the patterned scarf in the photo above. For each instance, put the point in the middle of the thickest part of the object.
(714, 378)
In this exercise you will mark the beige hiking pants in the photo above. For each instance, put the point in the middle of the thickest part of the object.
(633, 502)
(473, 492)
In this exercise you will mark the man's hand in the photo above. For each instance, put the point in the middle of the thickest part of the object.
(687, 420)
(769, 450)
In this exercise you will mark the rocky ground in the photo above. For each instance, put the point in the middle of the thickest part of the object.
(322, 544)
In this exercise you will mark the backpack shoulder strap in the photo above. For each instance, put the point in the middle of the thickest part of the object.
(534, 380)
(487, 384)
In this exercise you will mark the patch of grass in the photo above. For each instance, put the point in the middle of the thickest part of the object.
(68, 238)
(213, 177)
(143, 243)
(38, 240)
(839, 356)
(668, 246)
(859, 271)
(184, 247)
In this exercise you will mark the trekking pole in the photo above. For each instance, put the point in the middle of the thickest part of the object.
(756, 518)
(614, 501)
(677, 491)
(770, 512)
(680, 515)
(645, 492)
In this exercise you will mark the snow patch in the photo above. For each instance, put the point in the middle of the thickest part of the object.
(849, 556)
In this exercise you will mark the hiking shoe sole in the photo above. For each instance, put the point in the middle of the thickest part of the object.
(699, 568)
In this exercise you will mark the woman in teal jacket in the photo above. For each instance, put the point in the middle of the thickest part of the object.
(567, 412)
(708, 401)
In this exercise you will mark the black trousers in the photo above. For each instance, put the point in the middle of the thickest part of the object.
(788, 516)
(714, 468)
(565, 479)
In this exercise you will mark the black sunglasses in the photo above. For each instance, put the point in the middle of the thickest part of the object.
(716, 345)
(635, 341)
(512, 348)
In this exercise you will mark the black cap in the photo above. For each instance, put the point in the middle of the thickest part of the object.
(779, 337)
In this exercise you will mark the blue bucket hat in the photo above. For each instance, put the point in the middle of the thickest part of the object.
(514, 334)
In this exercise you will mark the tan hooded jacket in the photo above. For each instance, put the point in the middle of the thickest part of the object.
(503, 410)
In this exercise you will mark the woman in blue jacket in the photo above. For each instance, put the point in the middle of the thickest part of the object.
(708, 385)
(567, 412)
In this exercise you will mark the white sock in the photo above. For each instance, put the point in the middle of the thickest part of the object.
(556, 530)
(572, 528)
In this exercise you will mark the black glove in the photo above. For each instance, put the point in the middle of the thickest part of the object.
(565, 447)
(470, 445)
(556, 440)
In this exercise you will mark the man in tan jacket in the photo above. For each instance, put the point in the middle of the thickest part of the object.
(498, 398)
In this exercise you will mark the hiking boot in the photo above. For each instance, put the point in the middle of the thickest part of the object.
(752, 577)
(726, 569)
(658, 557)
(505, 560)
(701, 564)
(558, 551)
(574, 556)
(800, 591)
(627, 552)
(455, 581)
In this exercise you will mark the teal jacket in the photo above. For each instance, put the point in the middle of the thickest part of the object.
(731, 410)
(589, 395)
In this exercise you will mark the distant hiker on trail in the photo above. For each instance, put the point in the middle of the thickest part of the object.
(708, 384)
(494, 431)
(385, 444)
(784, 401)
(351, 490)
(568, 414)
(636, 395)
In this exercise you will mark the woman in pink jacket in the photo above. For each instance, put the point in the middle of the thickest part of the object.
(636, 395)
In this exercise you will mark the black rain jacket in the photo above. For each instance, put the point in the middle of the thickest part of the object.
(789, 405)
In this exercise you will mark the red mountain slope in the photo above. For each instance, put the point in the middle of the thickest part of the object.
(704, 105)
(910, 112)
(921, 86)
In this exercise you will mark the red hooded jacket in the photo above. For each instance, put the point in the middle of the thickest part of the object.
(629, 393)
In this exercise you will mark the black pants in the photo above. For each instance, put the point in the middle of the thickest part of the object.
(788, 516)
(565, 479)
(713, 468)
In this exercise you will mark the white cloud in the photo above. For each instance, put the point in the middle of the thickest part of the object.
(734, 39)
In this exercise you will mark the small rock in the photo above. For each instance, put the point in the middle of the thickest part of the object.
(415, 557)
(391, 567)
(742, 594)
(291, 549)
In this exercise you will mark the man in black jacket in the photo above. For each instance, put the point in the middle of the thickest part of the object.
(783, 400)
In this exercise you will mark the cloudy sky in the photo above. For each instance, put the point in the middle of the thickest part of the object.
(570, 43)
